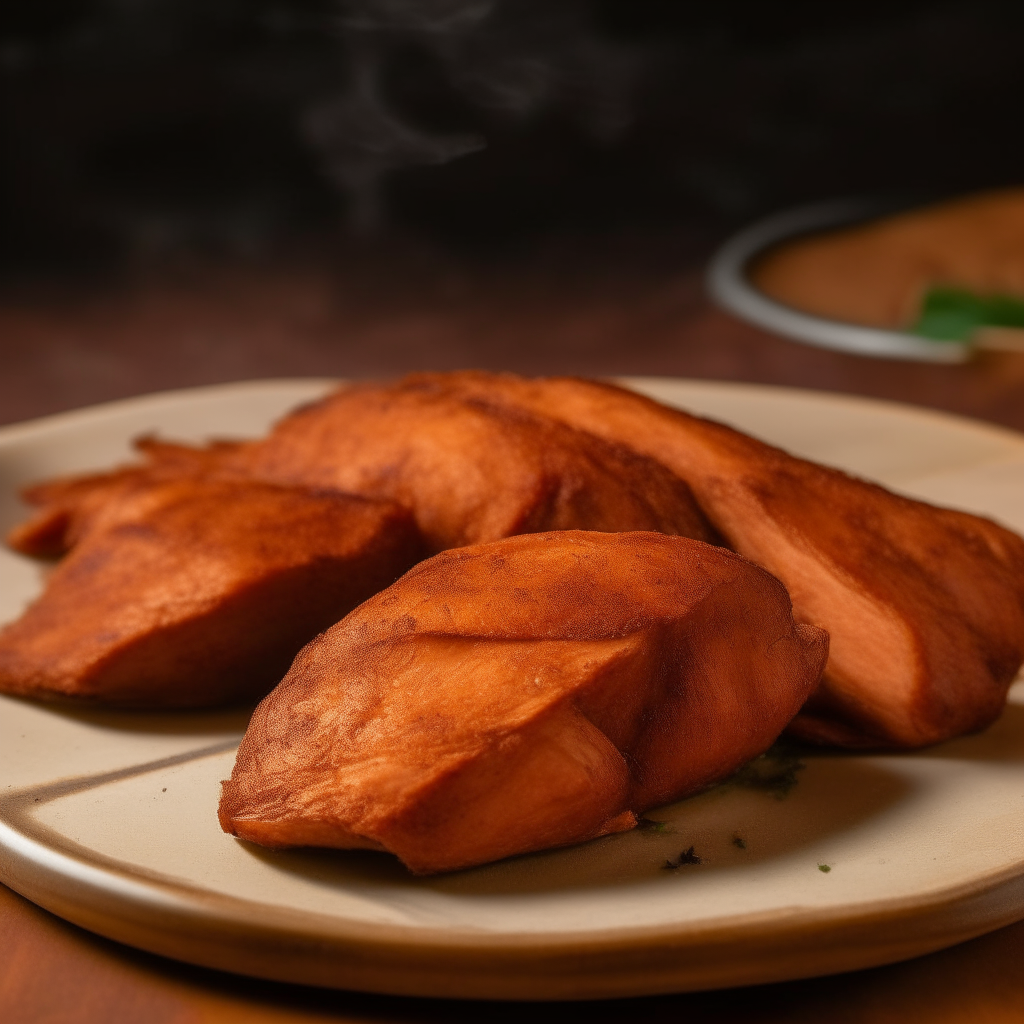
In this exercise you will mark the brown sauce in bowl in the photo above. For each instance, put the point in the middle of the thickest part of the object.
(878, 273)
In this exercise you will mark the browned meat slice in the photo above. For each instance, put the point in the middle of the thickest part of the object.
(192, 593)
(522, 694)
(471, 471)
(67, 504)
(467, 471)
(925, 606)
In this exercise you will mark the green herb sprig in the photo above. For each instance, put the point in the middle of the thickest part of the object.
(952, 314)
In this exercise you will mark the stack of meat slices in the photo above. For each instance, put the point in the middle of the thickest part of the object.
(623, 605)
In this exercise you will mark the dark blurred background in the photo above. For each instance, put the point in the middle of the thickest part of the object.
(248, 187)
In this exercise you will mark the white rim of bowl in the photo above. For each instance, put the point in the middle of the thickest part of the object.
(730, 287)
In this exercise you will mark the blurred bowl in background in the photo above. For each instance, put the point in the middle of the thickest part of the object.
(731, 287)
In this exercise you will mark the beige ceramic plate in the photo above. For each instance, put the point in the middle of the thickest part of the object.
(108, 819)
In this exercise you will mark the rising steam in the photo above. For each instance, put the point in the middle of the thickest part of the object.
(511, 57)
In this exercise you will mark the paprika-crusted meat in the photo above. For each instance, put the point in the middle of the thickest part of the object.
(471, 470)
(924, 605)
(523, 694)
(190, 593)
(464, 470)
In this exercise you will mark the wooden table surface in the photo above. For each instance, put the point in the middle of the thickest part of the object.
(380, 314)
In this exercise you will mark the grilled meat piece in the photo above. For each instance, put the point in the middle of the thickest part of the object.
(191, 593)
(522, 694)
(471, 471)
(924, 605)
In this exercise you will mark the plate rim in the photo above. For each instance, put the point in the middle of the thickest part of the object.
(467, 963)
(23, 430)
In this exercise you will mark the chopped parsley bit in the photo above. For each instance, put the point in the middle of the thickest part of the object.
(824, 868)
(686, 857)
(650, 825)
(740, 844)
(773, 772)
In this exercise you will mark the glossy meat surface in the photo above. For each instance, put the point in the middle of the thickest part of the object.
(191, 593)
(471, 471)
(527, 693)
(924, 606)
